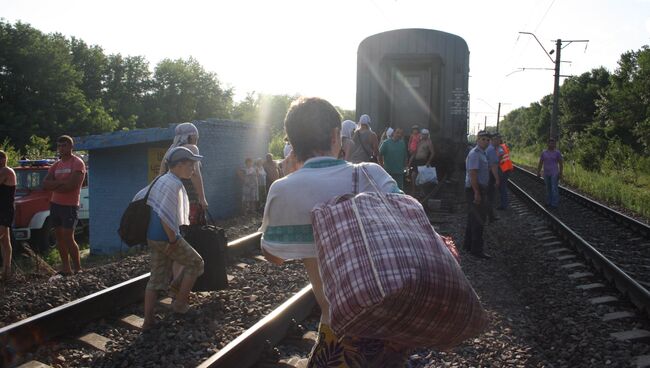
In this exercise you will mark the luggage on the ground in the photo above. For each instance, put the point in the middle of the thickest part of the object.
(388, 275)
(211, 244)
(135, 220)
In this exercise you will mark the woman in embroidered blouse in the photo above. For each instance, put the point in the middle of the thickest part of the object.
(313, 127)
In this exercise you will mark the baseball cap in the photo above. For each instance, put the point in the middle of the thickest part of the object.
(424, 131)
(177, 154)
(484, 133)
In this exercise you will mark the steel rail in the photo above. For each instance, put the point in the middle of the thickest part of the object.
(619, 217)
(19, 337)
(637, 294)
(247, 348)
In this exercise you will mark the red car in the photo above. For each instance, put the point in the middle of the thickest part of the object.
(32, 206)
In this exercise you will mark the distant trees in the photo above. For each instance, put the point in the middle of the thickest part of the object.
(604, 117)
(52, 85)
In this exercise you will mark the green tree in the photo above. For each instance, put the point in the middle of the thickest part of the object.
(38, 147)
(625, 108)
(183, 90)
(128, 82)
(40, 87)
(578, 96)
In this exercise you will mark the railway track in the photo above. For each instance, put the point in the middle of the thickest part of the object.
(613, 243)
(20, 340)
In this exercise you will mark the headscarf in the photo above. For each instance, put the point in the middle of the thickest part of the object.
(364, 119)
(424, 132)
(182, 134)
(347, 128)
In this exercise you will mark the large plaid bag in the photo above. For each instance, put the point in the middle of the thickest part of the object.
(388, 275)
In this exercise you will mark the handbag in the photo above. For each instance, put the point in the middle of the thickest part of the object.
(211, 243)
(135, 220)
(388, 275)
(426, 174)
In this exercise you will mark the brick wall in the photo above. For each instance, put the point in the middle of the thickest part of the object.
(225, 145)
(117, 173)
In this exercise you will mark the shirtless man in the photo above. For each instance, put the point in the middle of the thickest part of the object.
(423, 156)
(7, 193)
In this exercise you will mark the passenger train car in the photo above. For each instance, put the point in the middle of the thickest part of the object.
(409, 77)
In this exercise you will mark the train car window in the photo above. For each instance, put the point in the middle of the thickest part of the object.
(413, 81)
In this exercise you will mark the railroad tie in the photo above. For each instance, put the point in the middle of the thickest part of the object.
(632, 335)
(566, 257)
(594, 286)
(580, 275)
(94, 341)
(132, 321)
(260, 258)
(558, 250)
(607, 299)
(34, 364)
(617, 315)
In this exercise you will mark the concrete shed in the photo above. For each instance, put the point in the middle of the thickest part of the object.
(121, 163)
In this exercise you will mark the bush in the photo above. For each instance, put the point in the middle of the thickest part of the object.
(276, 146)
(588, 151)
(12, 153)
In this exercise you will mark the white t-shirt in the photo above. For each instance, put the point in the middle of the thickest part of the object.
(288, 233)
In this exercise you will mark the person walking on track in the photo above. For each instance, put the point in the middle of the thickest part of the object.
(366, 144)
(169, 210)
(476, 181)
(553, 164)
(313, 127)
(505, 168)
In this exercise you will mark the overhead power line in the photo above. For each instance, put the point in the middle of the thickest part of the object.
(556, 85)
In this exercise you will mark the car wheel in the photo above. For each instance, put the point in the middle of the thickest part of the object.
(44, 238)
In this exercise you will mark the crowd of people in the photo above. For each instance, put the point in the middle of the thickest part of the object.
(320, 156)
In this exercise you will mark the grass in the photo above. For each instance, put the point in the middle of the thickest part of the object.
(628, 190)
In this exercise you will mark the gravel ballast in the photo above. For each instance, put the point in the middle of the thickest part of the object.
(539, 318)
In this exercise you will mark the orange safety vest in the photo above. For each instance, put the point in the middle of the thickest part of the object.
(504, 161)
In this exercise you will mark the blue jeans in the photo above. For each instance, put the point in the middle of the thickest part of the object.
(503, 189)
(552, 191)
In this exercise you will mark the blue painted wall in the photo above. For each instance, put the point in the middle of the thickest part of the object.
(118, 170)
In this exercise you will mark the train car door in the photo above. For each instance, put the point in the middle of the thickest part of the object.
(410, 97)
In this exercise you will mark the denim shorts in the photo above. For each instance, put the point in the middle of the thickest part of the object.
(63, 216)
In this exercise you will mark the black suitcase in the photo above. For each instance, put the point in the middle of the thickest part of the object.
(211, 243)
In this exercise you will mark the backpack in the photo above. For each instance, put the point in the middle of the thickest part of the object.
(135, 220)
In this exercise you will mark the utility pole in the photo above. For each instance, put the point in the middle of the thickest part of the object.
(554, 131)
(556, 91)
(485, 123)
(498, 116)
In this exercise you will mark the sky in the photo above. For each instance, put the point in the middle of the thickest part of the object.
(309, 47)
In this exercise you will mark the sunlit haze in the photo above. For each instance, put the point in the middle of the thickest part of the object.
(310, 47)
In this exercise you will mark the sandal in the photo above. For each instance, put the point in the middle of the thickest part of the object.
(173, 291)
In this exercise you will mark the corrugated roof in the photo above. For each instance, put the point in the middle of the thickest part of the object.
(123, 138)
